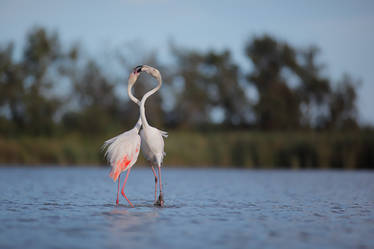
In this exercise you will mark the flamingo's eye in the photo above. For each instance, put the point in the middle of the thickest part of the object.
(138, 69)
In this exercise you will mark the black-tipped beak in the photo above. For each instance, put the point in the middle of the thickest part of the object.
(138, 69)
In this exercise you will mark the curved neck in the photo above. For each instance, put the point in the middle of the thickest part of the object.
(132, 97)
(138, 124)
(142, 103)
(136, 101)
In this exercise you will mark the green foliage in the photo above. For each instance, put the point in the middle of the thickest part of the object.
(302, 154)
(293, 93)
(54, 91)
(25, 85)
(203, 89)
(210, 83)
(241, 149)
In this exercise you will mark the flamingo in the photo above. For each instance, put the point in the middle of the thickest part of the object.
(155, 141)
(123, 150)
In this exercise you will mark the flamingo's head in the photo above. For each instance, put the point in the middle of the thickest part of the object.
(152, 71)
(134, 75)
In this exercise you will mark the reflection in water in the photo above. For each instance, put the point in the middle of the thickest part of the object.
(123, 220)
(129, 226)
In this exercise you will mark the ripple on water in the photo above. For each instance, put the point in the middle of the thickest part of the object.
(26, 220)
(337, 209)
(53, 217)
(45, 209)
(50, 204)
(318, 215)
(256, 210)
(273, 233)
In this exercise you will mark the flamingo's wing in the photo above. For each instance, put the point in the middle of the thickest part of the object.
(153, 145)
(122, 152)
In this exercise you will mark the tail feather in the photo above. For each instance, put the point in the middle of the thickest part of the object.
(122, 152)
(114, 174)
(164, 133)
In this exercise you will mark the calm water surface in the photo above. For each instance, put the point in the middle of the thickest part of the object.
(74, 208)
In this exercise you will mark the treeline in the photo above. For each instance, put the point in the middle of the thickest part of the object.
(51, 92)
(50, 88)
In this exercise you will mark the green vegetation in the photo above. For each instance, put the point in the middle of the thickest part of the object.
(241, 149)
(57, 106)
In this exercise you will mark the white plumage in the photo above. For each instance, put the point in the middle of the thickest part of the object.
(123, 150)
(153, 145)
(146, 151)
(152, 138)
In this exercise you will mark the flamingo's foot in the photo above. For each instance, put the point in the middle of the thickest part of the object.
(160, 201)
(117, 202)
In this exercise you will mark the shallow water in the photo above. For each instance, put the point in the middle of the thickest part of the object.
(74, 208)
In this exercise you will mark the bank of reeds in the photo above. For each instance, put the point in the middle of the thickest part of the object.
(240, 149)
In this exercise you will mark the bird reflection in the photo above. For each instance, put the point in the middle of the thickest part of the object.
(127, 224)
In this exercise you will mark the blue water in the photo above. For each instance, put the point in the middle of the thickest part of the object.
(74, 208)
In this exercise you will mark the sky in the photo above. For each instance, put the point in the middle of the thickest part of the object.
(342, 29)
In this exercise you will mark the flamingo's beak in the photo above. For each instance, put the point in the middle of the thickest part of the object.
(138, 69)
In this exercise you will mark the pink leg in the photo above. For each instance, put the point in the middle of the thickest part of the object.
(119, 180)
(154, 173)
(123, 187)
(161, 197)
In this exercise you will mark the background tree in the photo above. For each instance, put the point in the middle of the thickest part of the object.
(97, 105)
(278, 104)
(209, 90)
(75, 101)
(26, 85)
(52, 87)
(293, 92)
(342, 105)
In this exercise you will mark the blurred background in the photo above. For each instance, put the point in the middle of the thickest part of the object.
(248, 84)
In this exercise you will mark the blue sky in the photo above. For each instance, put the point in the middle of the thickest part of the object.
(342, 29)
